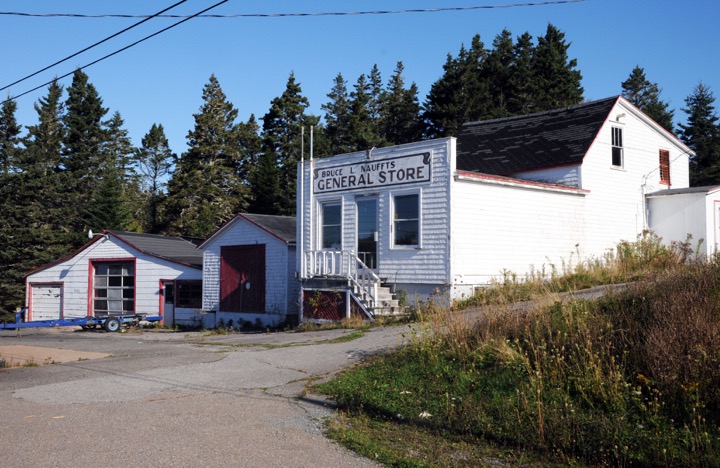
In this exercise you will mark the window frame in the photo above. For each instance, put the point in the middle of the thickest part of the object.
(664, 166)
(616, 133)
(94, 287)
(180, 288)
(321, 224)
(393, 221)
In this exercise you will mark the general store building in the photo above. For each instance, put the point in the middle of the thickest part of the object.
(524, 194)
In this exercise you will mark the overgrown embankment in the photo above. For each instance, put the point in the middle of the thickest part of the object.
(633, 378)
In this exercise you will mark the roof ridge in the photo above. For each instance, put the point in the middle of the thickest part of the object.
(541, 113)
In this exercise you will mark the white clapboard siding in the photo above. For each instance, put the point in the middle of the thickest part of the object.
(517, 230)
(73, 273)
(427, 264)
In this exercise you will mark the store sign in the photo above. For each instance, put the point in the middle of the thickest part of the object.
(373, 174)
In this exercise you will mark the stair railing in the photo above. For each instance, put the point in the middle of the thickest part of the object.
(345, 264)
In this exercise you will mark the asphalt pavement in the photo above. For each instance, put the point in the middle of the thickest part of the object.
(177, 399)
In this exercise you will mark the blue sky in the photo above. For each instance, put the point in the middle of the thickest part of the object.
(161, 80)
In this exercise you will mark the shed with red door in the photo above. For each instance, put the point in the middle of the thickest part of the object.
(249, 271)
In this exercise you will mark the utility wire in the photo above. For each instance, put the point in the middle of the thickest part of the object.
(120, 50)
(282, 15)
(147, 18)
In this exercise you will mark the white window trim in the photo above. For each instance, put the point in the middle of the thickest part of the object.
(396, 193)
(620, 127)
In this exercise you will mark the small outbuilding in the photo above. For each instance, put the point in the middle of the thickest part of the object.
(119, 273)
(249, 271)
(687, 215)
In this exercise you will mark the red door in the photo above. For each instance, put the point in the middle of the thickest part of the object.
(242, 278)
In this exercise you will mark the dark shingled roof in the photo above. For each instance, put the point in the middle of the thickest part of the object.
(175, 249)
(514, 144)
(281, 226)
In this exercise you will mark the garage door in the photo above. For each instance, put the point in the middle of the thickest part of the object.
(46, 302)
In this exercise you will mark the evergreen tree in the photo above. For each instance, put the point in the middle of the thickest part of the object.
(556, 79)
(250, 143)
(118, 159)
(364, 131)
(521, 97)
(205, 189)
(498, 71)
(646, 96)
(265, 185)
(34, 204)
(154, 161)
(282, 127)
(83, 145)
(376, 97)
(337, 117)
(461, 95)
(9, 135)
(400, 110)
(702, 134)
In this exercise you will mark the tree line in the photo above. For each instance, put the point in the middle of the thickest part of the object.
(76, 169)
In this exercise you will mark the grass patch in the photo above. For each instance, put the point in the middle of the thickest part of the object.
(631, 378)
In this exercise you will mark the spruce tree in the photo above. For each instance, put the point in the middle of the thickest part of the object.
(85, 137)
(702, 134)
(9, 135)
(265, 185)
(154, 161)
(34, 204)
(400, 121)
(498, 70)
(556, 79)
(250, 143)
(337, 117)
(461, 95)
(364, 129)
(646, 96)
(282, 127)
(523, 90)
(205, 190)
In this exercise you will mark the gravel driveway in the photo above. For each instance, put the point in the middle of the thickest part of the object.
(177, 399)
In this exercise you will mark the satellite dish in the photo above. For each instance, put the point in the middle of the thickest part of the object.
(90, 234)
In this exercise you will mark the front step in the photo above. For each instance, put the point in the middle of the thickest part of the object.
(387, 302)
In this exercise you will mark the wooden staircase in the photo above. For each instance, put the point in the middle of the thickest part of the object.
(343, 270)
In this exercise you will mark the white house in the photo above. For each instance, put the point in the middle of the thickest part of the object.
(119, 273)
(676, 213)
(249, 271)
(517, 194)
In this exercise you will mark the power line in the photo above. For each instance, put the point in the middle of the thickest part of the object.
(120, 50)
(147, 18)
(283, 15)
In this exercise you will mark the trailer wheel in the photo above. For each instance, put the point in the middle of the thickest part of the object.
(112, 325)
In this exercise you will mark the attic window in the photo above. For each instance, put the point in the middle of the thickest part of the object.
(665, 167)
(617, 147)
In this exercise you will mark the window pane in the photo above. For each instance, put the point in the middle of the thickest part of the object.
(331, 237)
(101, 281)
(617, 156)
(115, 281)
(129, 306)
(100, 305)
(101, 293)
(128, 293)
(115, 269)
(128, 269)
(114, 293)
(331, 214)
(406, 233)
(406, 207)
(101, 269)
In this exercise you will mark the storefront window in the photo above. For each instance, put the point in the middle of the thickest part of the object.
(331, 226)
(406, 220)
